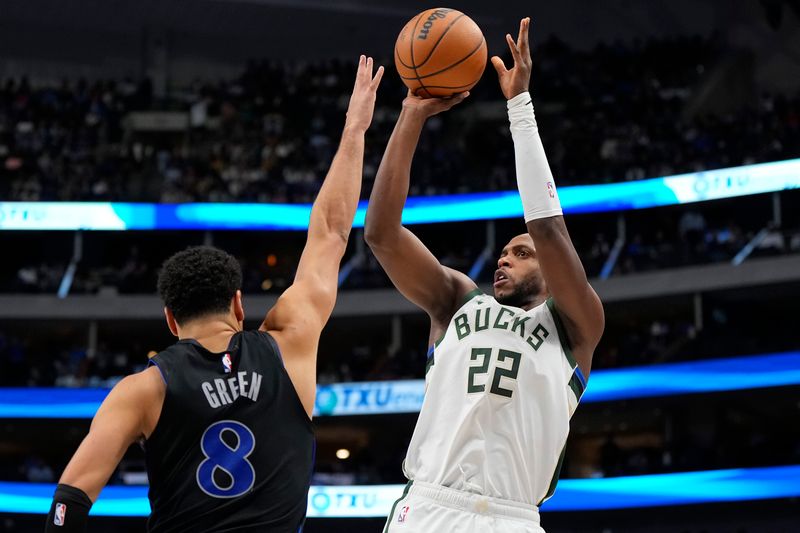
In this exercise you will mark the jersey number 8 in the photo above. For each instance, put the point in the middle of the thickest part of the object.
(226, 472)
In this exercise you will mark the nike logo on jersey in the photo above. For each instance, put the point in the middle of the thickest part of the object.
(221, 391)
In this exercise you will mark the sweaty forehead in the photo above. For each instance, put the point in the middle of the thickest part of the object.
(523, 239)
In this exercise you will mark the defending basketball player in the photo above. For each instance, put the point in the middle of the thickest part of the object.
(505, 372)
(224, 414)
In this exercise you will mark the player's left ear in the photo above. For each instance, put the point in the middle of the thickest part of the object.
(238, 307)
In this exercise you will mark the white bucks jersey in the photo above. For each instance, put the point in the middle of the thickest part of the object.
(500, 388)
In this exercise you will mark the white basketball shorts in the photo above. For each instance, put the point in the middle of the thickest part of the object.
(426, 508)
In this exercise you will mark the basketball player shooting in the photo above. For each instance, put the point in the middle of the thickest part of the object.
(505, 372)
(224, 414)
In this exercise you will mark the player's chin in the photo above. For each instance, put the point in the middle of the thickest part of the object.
(504, 291)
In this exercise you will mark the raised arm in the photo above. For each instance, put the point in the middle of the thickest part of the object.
(576, 301)
(303, 309)
(413, 269)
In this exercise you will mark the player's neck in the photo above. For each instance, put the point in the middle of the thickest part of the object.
(213, 334)
(537, 300)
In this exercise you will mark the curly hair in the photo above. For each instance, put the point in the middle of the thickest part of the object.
(199, 281)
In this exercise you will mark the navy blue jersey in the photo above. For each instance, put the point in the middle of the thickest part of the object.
(233, 448)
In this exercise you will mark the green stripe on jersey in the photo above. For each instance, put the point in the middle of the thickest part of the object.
(429, 364)
(576, 385)
(553, 482)
(394, 505)
(562, 333)
(470, 295)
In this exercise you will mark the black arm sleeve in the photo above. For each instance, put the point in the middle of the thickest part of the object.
(69, 511)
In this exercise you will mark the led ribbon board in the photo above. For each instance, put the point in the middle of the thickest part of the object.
(386, 397)
(672, 190)
(658, 490)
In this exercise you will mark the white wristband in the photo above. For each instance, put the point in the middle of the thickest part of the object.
(534, 178)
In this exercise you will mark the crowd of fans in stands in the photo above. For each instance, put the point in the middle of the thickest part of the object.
(617, 112)
(63, 359)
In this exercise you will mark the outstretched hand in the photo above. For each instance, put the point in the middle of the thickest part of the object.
(362, 101)
(516, 80)
(432, 106)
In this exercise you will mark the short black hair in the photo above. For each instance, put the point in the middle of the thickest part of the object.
(199, 281)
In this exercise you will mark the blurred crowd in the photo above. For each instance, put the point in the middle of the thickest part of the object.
(24, 362)
(659, 240)
(64, 358)
(617, 112)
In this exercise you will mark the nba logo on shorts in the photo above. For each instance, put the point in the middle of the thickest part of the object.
(551, 190)
(403, 514)
(61, 512)
(226, 362)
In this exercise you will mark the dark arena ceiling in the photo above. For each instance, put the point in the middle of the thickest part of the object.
(311, 28)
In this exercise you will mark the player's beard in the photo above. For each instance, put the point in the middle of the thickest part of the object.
(523, 293)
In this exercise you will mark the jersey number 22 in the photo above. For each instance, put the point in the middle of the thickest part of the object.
(499, 372)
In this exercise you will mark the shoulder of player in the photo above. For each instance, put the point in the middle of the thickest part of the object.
(135, 402)
(147, 385)
(459, 291)
(272, 341)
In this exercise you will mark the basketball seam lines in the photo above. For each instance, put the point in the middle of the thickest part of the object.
(421, 85)
(432, 49)
(448, 67)
(439, 40)
(400, 59)
(396, 53)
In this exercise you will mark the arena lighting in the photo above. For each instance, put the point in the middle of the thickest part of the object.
(658, 490)
(342, 453)
(405, 396)
(671, 190)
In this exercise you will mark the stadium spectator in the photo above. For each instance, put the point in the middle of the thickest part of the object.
(267, 135)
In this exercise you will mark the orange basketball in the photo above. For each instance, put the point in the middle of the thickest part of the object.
(440, 52)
